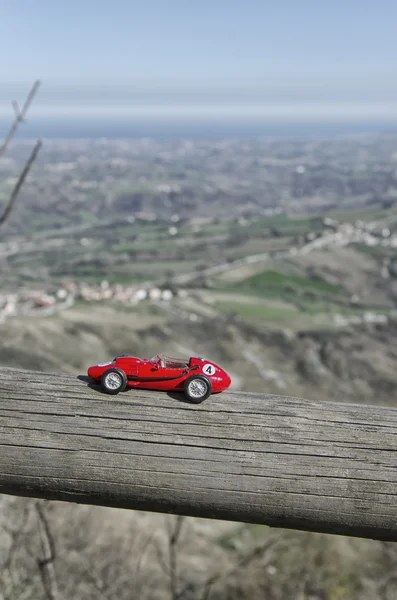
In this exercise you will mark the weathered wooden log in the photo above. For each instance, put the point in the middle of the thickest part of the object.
(284, 462)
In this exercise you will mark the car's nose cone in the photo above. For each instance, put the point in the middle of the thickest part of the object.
(227, 379)
(93, 371)
(224, 380)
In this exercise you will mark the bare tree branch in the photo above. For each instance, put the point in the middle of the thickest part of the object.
(19, 116)
(20, 181)
(46, 564)
(16, 108)
(142, 556)
(173, 539)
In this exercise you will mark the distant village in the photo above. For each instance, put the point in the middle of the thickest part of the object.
(43, 302)
(48, 302)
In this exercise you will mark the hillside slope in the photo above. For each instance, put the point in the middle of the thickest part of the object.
(356, 363)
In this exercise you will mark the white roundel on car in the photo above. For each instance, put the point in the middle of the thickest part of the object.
(209, 369)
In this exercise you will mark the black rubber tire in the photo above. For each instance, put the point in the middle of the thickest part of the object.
(122, 385)
(195, 399)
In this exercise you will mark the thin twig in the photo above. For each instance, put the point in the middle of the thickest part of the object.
(46, 564)
(142, 556)
(19, 116)
(173, 558)
(20, 181)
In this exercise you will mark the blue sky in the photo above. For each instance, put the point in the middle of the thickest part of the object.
(178, 54)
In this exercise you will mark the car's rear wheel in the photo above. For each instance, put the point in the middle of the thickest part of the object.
(197, 388)
(114, 381)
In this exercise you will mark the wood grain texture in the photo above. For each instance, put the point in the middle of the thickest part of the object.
(284, 462)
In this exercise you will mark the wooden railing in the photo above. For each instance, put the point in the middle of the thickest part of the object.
(284, 462)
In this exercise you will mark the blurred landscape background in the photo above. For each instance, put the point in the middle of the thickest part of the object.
(220, 181)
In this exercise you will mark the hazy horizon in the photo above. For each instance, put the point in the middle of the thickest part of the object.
(82, 128)
(200, 100)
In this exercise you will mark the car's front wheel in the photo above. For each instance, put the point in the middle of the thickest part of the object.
(197, 388)
(114, 381)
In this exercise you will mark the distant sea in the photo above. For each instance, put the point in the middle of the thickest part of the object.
(167, 129)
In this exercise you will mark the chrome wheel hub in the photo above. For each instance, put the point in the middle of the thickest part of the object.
(197, 388)
(113, 381)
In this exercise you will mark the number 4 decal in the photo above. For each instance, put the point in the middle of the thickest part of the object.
(209, 369)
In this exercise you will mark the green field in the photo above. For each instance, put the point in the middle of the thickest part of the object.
(270, 281)
(257, 312)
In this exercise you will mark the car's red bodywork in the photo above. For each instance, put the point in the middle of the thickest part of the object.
(163, 373)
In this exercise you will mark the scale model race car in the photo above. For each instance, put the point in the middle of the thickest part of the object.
(196, 377)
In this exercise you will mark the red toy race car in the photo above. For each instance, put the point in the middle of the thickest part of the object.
(195, 376)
